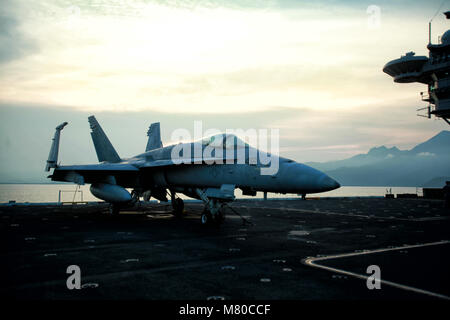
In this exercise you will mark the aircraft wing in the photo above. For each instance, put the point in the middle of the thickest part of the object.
(124, 174)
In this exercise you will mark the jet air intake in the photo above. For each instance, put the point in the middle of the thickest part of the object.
(110, 192)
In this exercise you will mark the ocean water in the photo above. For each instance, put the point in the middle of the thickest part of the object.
(66, 193)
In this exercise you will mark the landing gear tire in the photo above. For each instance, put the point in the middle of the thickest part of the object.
(178, 207)
(114, 209)
(135, 195)
(206, 218)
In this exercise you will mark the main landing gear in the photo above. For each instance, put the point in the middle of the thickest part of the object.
(177, 205)
(114, 209)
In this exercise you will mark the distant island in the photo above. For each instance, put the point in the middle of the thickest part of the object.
(425, 165)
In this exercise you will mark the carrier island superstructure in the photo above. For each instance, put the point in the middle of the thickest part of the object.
(433, 71)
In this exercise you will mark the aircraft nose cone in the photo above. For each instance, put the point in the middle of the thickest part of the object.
(327, 183)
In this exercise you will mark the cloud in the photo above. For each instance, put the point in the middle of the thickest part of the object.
(426, 154)
(314, 69)
(14, 44)
(214, 58)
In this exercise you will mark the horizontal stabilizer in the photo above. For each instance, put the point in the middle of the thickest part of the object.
(154, 137)
(103, 147)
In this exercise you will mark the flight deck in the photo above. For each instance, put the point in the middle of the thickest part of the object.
(313, 249)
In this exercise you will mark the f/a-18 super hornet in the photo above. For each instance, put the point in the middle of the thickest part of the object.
(209, 170)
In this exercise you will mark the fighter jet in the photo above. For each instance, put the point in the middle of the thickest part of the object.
(160, 172)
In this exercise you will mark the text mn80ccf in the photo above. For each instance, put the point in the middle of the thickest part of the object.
(253, 309)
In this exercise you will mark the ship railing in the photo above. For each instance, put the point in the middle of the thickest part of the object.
(425, 96)
(74, 192)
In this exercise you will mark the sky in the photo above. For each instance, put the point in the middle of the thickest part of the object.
(312, 69)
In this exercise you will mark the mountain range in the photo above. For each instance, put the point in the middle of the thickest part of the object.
(425, 165)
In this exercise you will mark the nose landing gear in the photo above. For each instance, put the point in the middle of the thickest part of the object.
(207, 218)
(213, 212)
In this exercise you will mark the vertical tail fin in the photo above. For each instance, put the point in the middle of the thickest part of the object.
(54, 150)
(103, 147)
(154, 137)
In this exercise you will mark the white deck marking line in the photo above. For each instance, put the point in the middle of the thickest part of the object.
(311, 262)
(353, 215)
